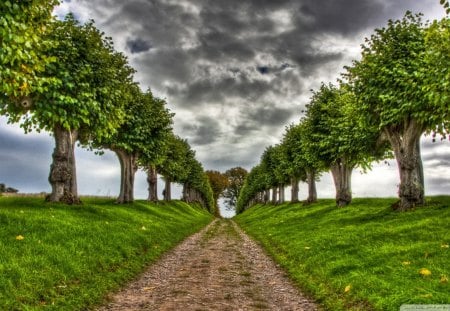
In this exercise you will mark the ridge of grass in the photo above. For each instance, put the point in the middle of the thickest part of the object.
(362, 257)
(59, 257)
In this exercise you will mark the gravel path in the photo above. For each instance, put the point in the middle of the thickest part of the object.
(219, 268)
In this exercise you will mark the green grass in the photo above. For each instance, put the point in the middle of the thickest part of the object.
(375, 251)
(72, 256)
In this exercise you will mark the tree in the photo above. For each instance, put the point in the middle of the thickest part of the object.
(392, 84)
(24, 26)
(218, 182)
(140, 138)
(174, 167)
(196, 185)
(293, 154)
(87, 100)
(341, 137)
(236, 177)
(269, 163)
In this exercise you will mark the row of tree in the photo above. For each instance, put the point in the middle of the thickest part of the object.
(383, 104)
(66, 78)
(227, 185)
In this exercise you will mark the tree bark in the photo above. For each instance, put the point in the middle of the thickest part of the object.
(152, 179)
(266, 196)
(342, 175)
(63, 175)
(312, 190)
(128, 169)
(294, 189)
(281, 194)
(274, 195)
(406, 148)
(167, 190)
(188, 193)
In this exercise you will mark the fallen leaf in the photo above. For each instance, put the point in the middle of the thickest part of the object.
(19, 238)
(444, 246)
(424, 272)
(444, 279)
(347, 288)
(406, 263)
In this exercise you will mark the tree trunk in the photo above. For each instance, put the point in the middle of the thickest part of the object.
(312, 191)
(406, 148)
(281, 194)
(188, 195)
(294, 189)
(63, 174)
(266, 196)
(274, 195)
(128, 169)
(342, 175)
(167, 190)
(152, 179)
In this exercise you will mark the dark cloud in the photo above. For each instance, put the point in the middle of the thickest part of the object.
(263, 69)
(269, 115)
(138, 45)
(204, 131)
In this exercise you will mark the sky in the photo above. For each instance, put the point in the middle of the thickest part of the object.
(235, 73)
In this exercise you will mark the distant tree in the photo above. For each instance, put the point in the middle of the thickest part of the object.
(174, 167)
(254, 189)
(341, 137)
(140, 138)
(236, 177)
(281, 170)
(196, 185)
(296, 166)
(268, 164)
(398, 88)
(218, 182)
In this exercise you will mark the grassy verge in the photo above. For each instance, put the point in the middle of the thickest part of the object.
(363, 257)
(58, 257)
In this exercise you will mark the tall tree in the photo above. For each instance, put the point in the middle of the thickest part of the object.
(341, 137)
(87, 100)
(236, 177)
(392, 84)
(219, 182)
(142, 136)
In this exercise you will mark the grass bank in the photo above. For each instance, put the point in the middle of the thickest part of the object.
(58, 257)
(362, 257)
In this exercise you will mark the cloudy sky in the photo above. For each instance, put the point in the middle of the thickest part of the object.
(235, 72)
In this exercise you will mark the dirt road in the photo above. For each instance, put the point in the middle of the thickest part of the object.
(219, 268)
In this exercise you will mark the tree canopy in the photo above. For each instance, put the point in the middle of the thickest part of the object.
(236, 177)
(24, 29)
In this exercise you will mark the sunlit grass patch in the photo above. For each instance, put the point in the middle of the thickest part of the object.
(362, 257)
(62, 257)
